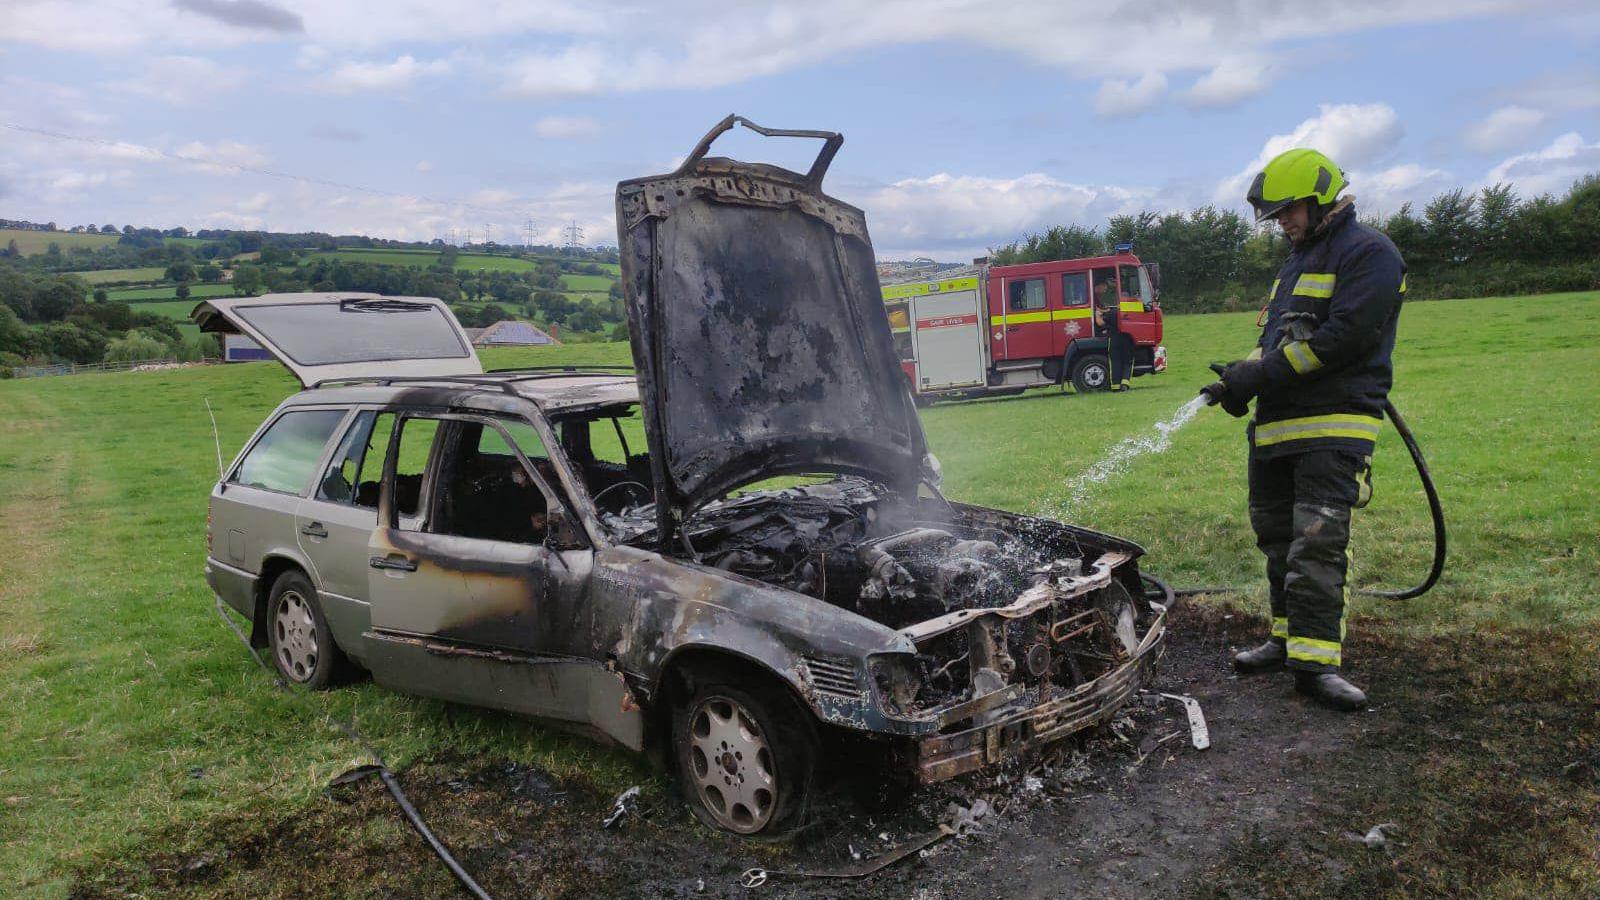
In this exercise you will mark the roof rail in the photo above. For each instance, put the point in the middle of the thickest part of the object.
(384, 380)
(562, 369)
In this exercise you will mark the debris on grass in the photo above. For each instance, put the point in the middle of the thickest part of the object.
(626, 803)
(1376, 837)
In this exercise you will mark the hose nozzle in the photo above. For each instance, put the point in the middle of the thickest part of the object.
(1215, 391)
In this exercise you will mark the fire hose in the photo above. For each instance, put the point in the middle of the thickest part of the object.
(1435, 509)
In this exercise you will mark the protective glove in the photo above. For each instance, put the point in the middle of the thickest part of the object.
(1219, 394)
(1244, 379)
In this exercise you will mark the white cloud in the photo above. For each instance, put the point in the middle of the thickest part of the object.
(379, 76)
(942, 214)
(221, 157)
(424, 166)
(1572, 89)
(1551, 169)
(1229, 83)
(1118, 99)
(184, 80)
(1351, 135)
(1503, 129)
(1384, 191)
(77, 181)
(566, 127)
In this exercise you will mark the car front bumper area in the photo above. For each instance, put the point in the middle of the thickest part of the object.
(1017, 732)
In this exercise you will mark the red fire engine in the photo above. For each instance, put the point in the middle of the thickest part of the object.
(1004, 329)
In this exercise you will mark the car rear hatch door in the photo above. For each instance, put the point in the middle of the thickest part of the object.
(329, 337)
(758, 330)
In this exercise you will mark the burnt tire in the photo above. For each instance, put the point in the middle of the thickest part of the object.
(298, 637)
(1091, 373)
(746, 755)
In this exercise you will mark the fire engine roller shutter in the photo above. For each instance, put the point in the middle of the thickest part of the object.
(948, 339)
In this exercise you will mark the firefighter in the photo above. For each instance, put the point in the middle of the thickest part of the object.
(1119, 344)
(1319, 375)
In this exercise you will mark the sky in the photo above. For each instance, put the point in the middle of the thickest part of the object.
(966, 124)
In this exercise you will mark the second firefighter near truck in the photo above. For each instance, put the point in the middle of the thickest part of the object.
(1319, 375)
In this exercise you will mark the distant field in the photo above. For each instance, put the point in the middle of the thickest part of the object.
(130, 295)
(586, 282)
(419, 258)
(472, 262)
(30, 243)
(101, 276)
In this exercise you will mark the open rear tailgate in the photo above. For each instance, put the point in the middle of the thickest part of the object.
(327, 337)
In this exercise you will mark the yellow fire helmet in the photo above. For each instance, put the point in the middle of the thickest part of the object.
(1294, 175)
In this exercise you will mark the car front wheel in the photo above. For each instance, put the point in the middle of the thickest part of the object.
(747, 757)
(298, 635)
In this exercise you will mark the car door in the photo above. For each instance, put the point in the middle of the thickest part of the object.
(335, 524)
(476, 577)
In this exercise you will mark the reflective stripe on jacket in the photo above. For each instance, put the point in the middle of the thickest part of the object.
(1328, 343)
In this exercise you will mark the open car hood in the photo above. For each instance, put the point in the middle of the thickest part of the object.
(328, 337)
(758, 330)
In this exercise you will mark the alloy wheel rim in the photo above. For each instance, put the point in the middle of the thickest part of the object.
(296, 632)
(731, 765)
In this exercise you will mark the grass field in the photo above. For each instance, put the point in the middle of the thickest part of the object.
(465, 262)
(197, 291)
(131, 712)
(587, 282)
(102, 276)
(33, 242)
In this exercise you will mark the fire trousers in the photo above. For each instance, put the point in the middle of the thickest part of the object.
(1300, 509)
(1120, 344)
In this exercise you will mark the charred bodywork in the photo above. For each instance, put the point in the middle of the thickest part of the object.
(587, 586)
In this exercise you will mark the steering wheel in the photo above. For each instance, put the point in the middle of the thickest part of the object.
(639, 488)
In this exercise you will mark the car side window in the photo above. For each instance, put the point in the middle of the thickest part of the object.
(356, 470)
(285, 458)
(485, 491)
(1026, 295)
(417, 436)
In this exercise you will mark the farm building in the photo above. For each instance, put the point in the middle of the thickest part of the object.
(511, 333)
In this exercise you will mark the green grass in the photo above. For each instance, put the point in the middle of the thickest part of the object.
(465, 262)
(102, 276)
(130, 711)
(587, 282)
(197, 291)
(30, 243)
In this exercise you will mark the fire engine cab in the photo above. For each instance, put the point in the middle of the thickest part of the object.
(1003, 329)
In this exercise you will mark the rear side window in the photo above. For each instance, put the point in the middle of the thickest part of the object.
(285, 458)
(1075, 289)
(1026, 295)
(411, 462)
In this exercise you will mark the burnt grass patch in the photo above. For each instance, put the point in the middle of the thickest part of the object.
(1482, 747)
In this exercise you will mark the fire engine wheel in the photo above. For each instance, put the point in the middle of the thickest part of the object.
(1091, 373)
(747, 757)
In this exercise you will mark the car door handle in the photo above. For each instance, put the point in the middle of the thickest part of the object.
(315, 530)
(393, 561)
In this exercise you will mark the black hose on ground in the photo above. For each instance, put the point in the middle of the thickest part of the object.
(1435, 509)
(381, 769)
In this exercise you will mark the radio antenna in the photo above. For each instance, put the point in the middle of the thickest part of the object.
(216, 438)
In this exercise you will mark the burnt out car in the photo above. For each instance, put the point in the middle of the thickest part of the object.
(735, 558)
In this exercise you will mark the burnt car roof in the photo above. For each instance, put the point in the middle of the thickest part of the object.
(553, 392)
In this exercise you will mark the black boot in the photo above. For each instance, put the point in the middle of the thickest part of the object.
(1268, 657)
(1328, 689)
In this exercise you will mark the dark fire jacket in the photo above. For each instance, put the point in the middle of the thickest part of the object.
(1328, 344)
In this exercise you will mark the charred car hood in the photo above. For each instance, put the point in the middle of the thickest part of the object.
(758, 330)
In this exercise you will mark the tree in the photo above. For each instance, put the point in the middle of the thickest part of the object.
(210, 274)
(180, 270)
(100, 295)
(135, 347)
(182, 291)
(246, 279)
(13, 334)
(108, 228)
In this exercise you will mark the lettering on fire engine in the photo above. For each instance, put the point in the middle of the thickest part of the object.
(947, 321)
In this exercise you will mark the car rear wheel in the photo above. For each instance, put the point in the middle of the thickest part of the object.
(1091, 373)
(298, 635)
(747, 757)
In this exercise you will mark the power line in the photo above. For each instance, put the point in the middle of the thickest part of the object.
(149, 152)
